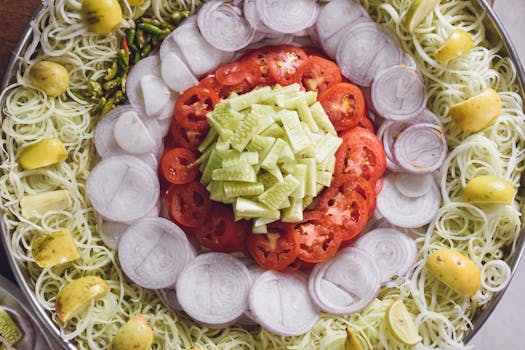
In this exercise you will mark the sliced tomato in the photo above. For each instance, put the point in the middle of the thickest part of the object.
(284, 61)
(348, 183)
(189, 204)
(361, 154)
(259, 58)
(236, 72)
(366, 123)
(295, 266)
(345, 105)
(186, 138)
(178, 166)
(348, 211)
(277, 249)
(314, 51)
(318, 239)
(221, 232)
(318, 74)
(193, 105)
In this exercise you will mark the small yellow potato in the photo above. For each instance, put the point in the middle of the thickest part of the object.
(77, 294)
(50, 77)
(136, 334)
(54, 248)
(478, 112)
(489, 189)
(458, 43)
(351, 342)
(42, 154)
(102, 16)
(43, 202)
(455, 270)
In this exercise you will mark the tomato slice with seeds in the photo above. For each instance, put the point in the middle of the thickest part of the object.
(189, 204)
(318, 74)
(277, 249)
(259, 58)
(186, 138)
(234, 73)
(318, 241)
(366, 123)
(361, 154)
(193, 105)
(284, 61)
(178, 166)
(348, 183)
(348, 211)
(221, 232)
(345, 105)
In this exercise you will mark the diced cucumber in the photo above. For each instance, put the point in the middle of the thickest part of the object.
(203, 159)
(300, 174)
(273, 130)
(210, 138)
(217, 193)
(294, 130)
(322, 119)
(286, 154)
(306, 116)
(327, 146)
(250, 126)
(276, 194)
(276, 172)
(308, 98)
(324, 178)
(250, 209)
(311, 176)
(294, 213)
(261, 229)
(214, 162)
(242, 189)
(285, 204)
(242, 172)
(267, 179)
(238, 103)
(233, 157)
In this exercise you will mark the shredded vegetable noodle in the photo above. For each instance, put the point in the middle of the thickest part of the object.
(487, 235)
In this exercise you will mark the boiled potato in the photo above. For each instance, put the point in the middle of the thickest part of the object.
(54, 248)
(102, 16)
(458, 43)
(136, 334)
(489, 189)
(42, 153)
(455, 270)
(478, 112)
(77, 294)
(51, 77)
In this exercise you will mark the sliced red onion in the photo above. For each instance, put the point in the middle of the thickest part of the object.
(393, 251)
(346, 283)
(155, 93)
(213, 288)
(336, 15)
(165, 123)
(428, 117)
(409, 61)
(414, 185)
(365, 50)
(420, 148)
(224, 26)
(200, 56)
(169, 297)
(104, 132)
(252, 16)
(153, 252)
(111, 231)
(271, 40)
(387, 133)
(176, 74)
(146, 66)
(28, 340)
(248, 318)
(122, 188)
(398, 93)
(282, 305)
(133, 135)
(286, 16)
(408, 212)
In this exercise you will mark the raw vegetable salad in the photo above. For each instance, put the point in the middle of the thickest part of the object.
(266, 105)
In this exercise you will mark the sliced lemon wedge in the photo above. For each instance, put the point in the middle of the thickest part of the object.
(400, 323)
(135, 334)
(417, 12)
(54, 248)
(77, 294)
(42, 153)
(477, 112)
(351, 342)
(489, 189)
(458, 43)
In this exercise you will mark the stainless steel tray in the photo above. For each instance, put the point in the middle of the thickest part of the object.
(495, 34)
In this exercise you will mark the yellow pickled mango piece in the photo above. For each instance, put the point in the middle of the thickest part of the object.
(477, 112)
(489, 189)
(51, 77)
(44, 202)
(54, 248)
(42, 153)
(417, 12)
(351, 342)
(77, 294)
(9, 329)
(401, 325)
(455, 270)
(136, 334)
(102, 16)
(458, 43)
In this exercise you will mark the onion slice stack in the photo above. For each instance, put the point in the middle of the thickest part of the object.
(224, 26)
(285, 16)
(393, 251)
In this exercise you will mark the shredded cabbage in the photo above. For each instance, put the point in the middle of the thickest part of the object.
(487, 236)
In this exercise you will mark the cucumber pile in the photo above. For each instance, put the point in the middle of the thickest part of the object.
(269, 153)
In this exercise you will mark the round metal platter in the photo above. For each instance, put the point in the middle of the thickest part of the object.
(495, 34)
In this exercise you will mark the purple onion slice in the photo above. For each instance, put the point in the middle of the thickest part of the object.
(337, 15)
(252, 16)
(365, 50)
(398, 93)
(420, 148)
(285, 16)
(224, 26)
